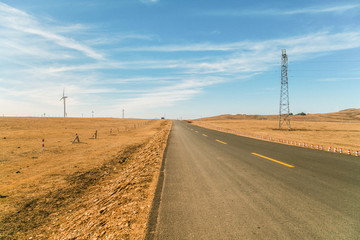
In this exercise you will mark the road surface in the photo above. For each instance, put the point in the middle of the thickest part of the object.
(222, 186)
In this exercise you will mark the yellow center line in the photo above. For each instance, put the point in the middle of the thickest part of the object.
(285, 164)
(221, 141)
(204, 135)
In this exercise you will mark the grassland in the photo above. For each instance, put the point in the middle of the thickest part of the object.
(82, 190)
(340, 129)
(103, 188)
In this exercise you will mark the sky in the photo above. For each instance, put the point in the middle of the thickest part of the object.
(178, 59)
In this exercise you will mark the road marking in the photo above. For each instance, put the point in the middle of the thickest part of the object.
(285, 164)
(221, 141)
(204, 135)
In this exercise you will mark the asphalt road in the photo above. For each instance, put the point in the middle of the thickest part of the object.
(221, 186)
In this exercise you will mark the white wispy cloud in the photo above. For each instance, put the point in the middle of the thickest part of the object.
(279, 12)
(167, 95)
(118, 38)
(255, 56)
(242, 58)
(315, 42)
(185, 48)
(12, 18)
(149, 1)
(40, 59)
(336, 9)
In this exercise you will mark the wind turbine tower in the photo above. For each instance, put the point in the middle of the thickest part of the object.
(64, 98)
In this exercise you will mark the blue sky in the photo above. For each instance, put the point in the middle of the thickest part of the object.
(181, 59)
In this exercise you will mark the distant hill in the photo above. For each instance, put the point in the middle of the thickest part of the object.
(352, 114)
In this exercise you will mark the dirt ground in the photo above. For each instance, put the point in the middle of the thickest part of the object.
(339, 130)
(95, 189)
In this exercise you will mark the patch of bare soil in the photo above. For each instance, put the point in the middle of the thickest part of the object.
(110, 201)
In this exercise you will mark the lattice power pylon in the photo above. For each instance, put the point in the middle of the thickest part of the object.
(284, 113)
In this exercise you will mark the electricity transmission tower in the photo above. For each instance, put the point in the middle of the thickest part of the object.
(284, 113)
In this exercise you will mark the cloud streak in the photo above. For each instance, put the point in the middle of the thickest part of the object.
(167, 95)
(20, 21)
(279, 12)
(318, 42)
(40, 59)
(149, 1)
(314, 10)
(247, 56)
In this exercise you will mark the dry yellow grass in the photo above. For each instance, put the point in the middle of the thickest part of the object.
(28, 174)
(341, 130)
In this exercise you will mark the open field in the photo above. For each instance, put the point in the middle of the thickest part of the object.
(93, 189)
(340, 130)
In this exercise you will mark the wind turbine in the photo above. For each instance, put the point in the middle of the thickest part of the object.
(64, 98)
